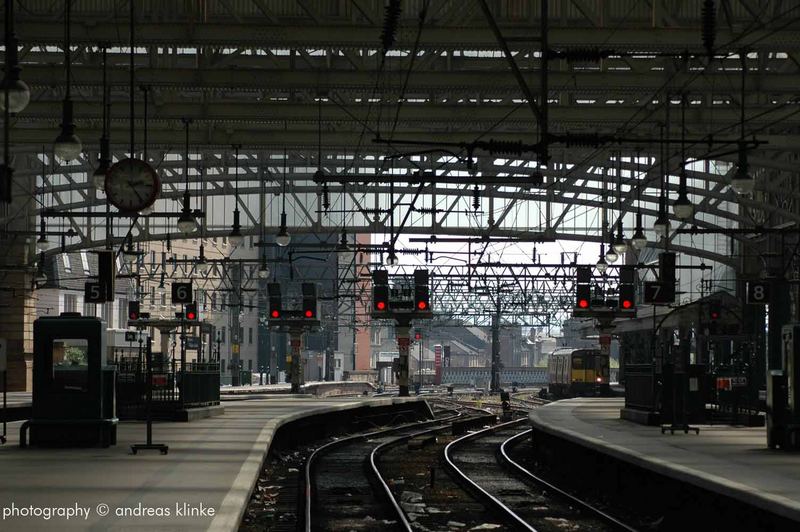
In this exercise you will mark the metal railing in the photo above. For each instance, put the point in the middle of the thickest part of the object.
(173, 388)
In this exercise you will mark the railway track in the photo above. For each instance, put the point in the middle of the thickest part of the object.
(526, 502)
(345, 490)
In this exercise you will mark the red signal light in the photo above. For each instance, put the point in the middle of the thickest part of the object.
(583, 303)
(309, 314)
(275, 314)
(714, 315)
(422, 305)
(133, 316)
(380, 305)
(626, 303)
(191, 316)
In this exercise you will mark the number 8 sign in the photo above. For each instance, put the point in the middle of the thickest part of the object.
(181, 293)
(758, 292)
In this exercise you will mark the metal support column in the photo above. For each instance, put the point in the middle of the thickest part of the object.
(495, 383)
(183, 363)
(296, 336)
(779, 315)
(403, 341)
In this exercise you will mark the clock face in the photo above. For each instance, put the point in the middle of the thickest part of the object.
(132, 185)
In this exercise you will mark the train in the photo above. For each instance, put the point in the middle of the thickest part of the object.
(575, 372)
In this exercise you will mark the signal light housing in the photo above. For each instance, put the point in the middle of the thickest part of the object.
(421, 297)
(191, 311)
(714, 311)
(274, 295)
(583, 296)
(309, 300)
(133, 310)
(380, 298)
(627, 297)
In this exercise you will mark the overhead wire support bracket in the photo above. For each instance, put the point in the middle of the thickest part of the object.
(537, 111)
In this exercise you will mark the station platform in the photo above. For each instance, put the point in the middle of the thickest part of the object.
(18, 406)
(212, 464)
(732, 461)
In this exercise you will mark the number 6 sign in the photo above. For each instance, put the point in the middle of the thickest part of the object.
(181, 293)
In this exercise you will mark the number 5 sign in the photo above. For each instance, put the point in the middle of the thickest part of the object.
(181, 293)
(758, 292)
(94, 292)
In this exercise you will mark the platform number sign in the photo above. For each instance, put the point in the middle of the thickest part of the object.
(181, 293)
(94, 292)
(659, 292)
(758, 292)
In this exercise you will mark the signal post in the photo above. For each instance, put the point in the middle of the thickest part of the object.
(295, 322)
(296, 342)
(402, 306)
(403, 342)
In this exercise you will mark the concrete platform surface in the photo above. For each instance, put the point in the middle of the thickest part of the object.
(730, 460)
(17, 399)
(210, 469)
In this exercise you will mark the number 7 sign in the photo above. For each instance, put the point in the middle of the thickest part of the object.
(659, 292)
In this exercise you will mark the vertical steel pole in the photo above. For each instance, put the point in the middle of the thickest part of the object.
(402, 346)
(296, 338)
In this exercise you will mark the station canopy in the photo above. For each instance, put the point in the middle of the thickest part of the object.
(430, 128)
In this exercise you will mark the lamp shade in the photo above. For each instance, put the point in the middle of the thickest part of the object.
(42, 244)
(682, 207)
(236, 238)
(186, 223)
(601, 265)
(19, 95)
(639, 241)
(283, 238)
(67, 146)
(129, 256)
(661, 225)
(742, 183)
(99, 178)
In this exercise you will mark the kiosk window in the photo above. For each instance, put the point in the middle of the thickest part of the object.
(71, 364)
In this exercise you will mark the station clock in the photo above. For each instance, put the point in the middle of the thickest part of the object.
(132, 185)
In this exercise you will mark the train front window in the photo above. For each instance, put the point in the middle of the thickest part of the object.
(577, 362)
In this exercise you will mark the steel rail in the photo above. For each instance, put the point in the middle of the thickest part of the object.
(496, 503)
(538, 480)
(320, 450)
(387, 490)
